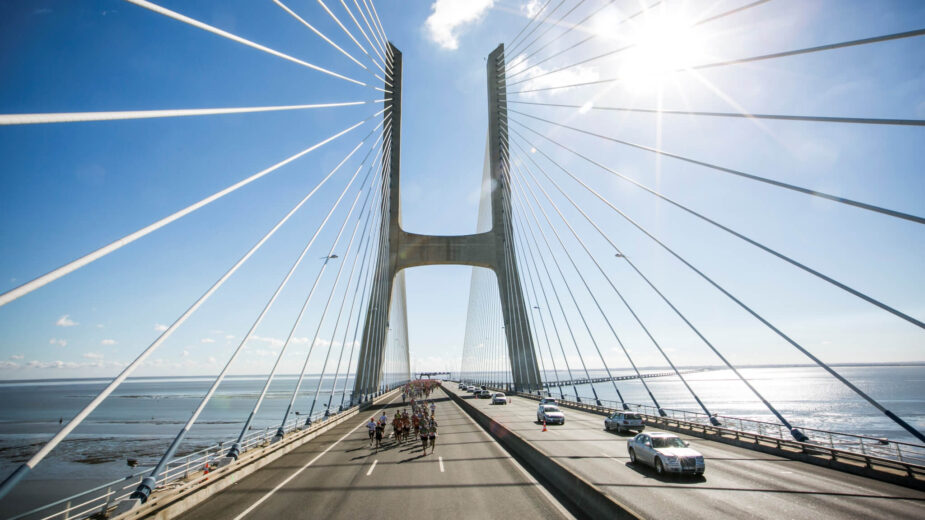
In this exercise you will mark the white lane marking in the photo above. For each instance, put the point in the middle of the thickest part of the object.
(545, 492)
(371, 468)
(300, 470)
(441, 463)
(611, 457)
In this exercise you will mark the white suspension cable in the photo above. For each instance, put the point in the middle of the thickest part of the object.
(350, 34)
(308, 298)
(72, 266)
(325, 38)
(225, 34)
(385, 37)
(73, 423)
(373, 46)
(78, 117)
(375, 35)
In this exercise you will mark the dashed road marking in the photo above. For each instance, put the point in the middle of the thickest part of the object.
(300, 470)
(441, 463)
(371, 468)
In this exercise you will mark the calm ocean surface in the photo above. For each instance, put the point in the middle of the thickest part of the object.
(142, 416)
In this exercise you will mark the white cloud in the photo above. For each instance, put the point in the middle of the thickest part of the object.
(212, 361)
(66, 321)
(159, 327)
(17, 356)
(108, 342)
(185, 353)
(229, 336)
(59, 342)
(531, 7)
(6, 365)
(207, 340)
(72, 364)
(99, 325)
(93, 355)
(448, 16)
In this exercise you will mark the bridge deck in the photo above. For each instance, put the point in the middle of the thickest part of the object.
(478, 479)
(739, 483)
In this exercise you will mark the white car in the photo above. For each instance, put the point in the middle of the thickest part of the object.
(624, 421)
(666, 452)
(550, 414)
(548, 400)
(499, 398)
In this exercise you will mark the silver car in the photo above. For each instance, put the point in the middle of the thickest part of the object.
(624, 421)
(499, 398)
(550, 414)
(666, 452)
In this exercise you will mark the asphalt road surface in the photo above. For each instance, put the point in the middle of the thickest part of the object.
(738, 483)
(338, 475)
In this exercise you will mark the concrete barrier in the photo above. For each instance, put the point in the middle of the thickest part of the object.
(168, 503)
(582, 495)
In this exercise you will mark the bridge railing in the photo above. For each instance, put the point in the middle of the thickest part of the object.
(865, 446)
(99, 499)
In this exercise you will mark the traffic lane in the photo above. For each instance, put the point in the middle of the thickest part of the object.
(738, 481)
(479, 478)
(354, 480)
(338, 464)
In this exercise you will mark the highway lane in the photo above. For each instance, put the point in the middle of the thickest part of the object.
(469, 476)
(738, 483)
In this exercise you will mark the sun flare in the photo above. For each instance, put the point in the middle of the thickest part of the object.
(661, 44)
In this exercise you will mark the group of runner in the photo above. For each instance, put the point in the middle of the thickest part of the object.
(420, 422)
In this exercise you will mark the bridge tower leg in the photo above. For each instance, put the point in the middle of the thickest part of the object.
(492, 249)
(521, 351)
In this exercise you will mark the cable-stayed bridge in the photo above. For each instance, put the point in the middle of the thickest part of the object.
(546, 288)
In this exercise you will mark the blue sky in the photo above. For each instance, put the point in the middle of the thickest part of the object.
(69, 188)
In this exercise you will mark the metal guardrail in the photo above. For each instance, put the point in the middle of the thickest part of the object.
(95, 502)
(905, 456)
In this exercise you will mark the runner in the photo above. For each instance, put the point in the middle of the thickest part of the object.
(432, 434)
(425, 436)
(371, 426)
(406, 426)
(396, 427)
(379, 428)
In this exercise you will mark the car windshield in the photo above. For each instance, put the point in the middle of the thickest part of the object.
(550, 409)
(667, 442)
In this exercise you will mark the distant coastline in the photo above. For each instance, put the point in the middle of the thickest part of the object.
(658, 368)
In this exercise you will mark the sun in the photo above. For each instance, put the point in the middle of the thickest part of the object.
(660, 45)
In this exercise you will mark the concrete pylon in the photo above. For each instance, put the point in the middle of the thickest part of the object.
(493, 249)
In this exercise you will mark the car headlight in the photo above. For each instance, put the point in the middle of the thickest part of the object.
(672, 459)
